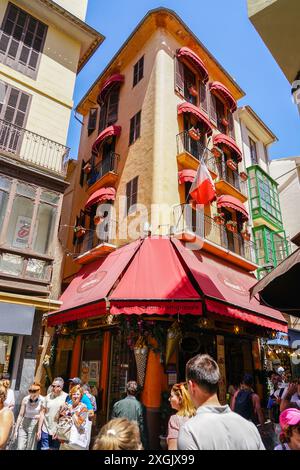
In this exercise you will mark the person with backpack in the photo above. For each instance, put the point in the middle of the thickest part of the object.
(246, 403)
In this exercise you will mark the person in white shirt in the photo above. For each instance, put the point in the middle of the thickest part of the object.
(10, 397)
(215, 427)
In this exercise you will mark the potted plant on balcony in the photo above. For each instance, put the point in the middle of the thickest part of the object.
(231, 164)
(79, 231)
(219, 218)
(194, 133)
(217, 153)
(224, 122)
(98, 219)
(243, 176)
(87, 168)
(192, 90)
(246, 234)
(231, 226)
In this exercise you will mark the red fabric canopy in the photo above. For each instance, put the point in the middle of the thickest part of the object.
(86, 294)
(155, 283)
(108, 132)
(107, 85)
(103, 194)
(226, 289)
(185, 176)
(191, 56)
(229, 142)
(221, 90)
(233, 203)
(190, 108)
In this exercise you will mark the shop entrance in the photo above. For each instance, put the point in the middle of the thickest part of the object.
(193, 344)
(238, 358)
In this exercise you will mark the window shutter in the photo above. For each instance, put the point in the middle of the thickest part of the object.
(92, 120)
(231, 125)
(213, 108)
(203, 96)
(102, 120)
(179, 77)
(112, 113)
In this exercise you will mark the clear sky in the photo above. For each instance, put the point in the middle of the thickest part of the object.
(224, 28)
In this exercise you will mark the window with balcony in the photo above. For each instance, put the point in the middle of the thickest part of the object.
(22, 39)
(271, 247)
(109, 108)
(191, 86)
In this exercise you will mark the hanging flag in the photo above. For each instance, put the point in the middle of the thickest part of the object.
(203, 190)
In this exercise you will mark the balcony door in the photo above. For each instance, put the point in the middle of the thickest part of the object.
(14, 105)
(108, 150)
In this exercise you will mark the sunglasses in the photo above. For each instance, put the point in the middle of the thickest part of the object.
(33, 391)
(55, 386)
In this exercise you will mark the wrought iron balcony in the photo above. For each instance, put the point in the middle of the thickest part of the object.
(191, 221)
(33, 148)
(109, 163)
(96, 242)
(195, 148)
(231, 176)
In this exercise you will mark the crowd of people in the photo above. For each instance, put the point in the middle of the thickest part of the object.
(61, 421)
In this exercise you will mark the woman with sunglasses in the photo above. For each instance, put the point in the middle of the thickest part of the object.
(181, 402)
(28, 419)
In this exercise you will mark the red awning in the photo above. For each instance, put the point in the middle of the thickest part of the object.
(86, 294)
(185, 176)
(226, 289)
(103, 194)
(190, 108)
(108, 84)
(108, 132)
(221, 90)
(233, 203)
(230, 143)
(155, 283)
(191, 56)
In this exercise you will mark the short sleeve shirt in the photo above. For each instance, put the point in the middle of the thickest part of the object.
(175, 422)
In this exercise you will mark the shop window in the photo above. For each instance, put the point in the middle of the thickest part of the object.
(91, 359)
(6, 350)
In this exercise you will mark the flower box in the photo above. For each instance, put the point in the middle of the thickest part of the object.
(98, 219)
(192, 90)
(194, 134)
(87, 168)
(219, 219)
(79, 231)
(246, 235)
(231, 226)
(217, 153)
(231, 164)
(243, 176)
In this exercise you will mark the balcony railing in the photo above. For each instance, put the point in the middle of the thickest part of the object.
(108, 164)
(186, 144)
(33, 148)
(191, 221)
(102, 233)
(231, 176)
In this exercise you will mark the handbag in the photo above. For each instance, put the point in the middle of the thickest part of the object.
(63, 429)
(80, 438)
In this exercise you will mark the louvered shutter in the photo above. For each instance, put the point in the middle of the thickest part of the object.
(213, 108)
(92, 120)
(113, 105)
(231, 125)
(203, 96)
(102, 120)
(179, 77)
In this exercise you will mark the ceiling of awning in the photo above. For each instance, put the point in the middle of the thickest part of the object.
(234, 203)
(189, 55)
(230, 143)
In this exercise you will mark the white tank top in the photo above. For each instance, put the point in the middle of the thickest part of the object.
(33, 409)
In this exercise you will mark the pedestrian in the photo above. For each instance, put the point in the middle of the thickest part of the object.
(77, 412)
(47, 425)
(215, 426)
(10, 399)
(291, 397)
(6, 420)
(87, 391)
(119, 434)
(130, 408)
(85, 399)
(180, 401)
(247, 403)
(290, 425)
(26, 429)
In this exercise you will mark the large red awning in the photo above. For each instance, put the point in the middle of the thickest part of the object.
(86, 295)
(108, 132)
(108, 84)
(230, 143)
(226, 289)
(103, 194)
(185, 176)
(155, 283)
(221, 90)
(186, 53)
(233, 203)
(190, 108)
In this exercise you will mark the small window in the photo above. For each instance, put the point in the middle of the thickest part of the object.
(135, 128)
(92, 120)
(138, 71)
(131, 193)
(253, 151)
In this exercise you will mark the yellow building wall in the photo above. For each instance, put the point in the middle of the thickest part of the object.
(76, 7)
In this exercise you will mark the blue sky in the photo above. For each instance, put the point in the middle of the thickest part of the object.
(224, 28)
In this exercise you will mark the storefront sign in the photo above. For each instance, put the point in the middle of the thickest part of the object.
(22, 230)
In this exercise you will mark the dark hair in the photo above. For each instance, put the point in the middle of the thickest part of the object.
(204, 371)
(248, 380)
